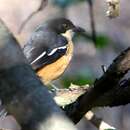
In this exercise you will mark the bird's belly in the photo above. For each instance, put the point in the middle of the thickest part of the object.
(54, 70)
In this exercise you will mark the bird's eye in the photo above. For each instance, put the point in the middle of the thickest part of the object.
(65, 25)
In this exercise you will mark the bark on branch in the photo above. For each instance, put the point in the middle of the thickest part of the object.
(107, 82)
(119, 95)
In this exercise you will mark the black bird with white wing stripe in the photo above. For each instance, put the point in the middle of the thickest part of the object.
(50, 48)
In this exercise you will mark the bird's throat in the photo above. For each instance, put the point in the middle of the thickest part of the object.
(68, 35)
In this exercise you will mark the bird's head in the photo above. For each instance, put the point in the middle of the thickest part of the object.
(64, 27)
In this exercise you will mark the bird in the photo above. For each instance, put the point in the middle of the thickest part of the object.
(50, 48)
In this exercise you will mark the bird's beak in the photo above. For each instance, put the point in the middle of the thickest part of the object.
(77, 29)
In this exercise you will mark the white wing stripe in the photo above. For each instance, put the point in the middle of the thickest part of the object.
(62, 47)
(39, 57)
(52, 52)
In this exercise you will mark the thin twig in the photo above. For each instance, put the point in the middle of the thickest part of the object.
(92, 21)
(98, 122)
(40, 8)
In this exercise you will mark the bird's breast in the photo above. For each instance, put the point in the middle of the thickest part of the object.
(54, 70)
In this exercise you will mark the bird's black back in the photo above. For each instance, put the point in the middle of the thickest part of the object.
(44, 40)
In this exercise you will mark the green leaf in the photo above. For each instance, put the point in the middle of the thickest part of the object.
(102, 41)
(81, 78)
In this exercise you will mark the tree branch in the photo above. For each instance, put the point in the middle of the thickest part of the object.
(92, 21)
(66, 96)
(107, 82)
(119, 95)
(98, 122)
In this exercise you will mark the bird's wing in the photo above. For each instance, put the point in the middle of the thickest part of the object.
(44, 48)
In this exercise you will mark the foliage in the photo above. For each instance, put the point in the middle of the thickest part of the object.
(101, 39)
(80, 78)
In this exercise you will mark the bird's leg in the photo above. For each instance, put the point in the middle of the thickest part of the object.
(54, 86)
